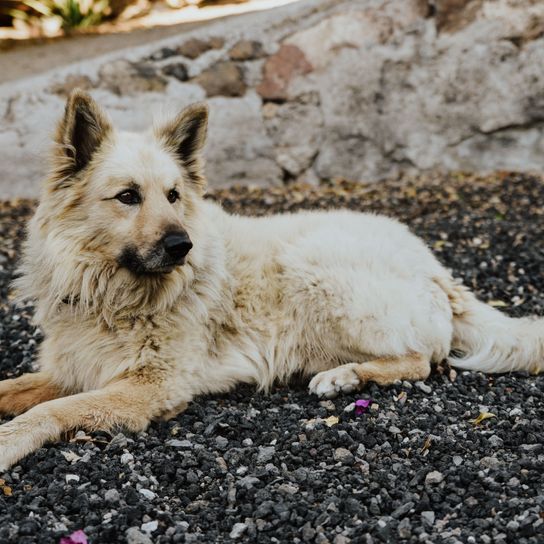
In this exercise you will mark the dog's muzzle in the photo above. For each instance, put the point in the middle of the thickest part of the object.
(170, 251)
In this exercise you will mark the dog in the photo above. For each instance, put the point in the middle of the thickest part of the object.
(149, 295)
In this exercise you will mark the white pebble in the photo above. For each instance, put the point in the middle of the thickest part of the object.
(434, 477)
(127, 458)
(150, 526)
(147, 493)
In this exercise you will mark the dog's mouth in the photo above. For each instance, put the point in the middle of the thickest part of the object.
(152, 265)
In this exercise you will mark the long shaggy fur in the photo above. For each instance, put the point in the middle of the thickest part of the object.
(341, 296)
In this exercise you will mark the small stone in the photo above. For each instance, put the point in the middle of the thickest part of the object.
(112, 496)
(496, 441)
(280, 69)
(135, 536)
(515, 412)
(246, 50)
(308, 532)
(457, 460)
(328, 405)
(147, 493)
(71, 478)
(118, 441)
(428, 517)
(247, 442)
(183, 444)
(150, 526)
(130, 78)
(401, 511)
(70, 456)
(222, 79)
(344, 456)
(266, 453)
(193, 48)
(490, 462)
(221, 442)
(512, 525)
(163, 53)
(424, 387)
(238, 530)
(177, 70)
(404, 528)
(288, 489)
(434, 477)
(248, 482)
(127, 458)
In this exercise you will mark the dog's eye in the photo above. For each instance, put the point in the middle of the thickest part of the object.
(129, 197)
(173, 195)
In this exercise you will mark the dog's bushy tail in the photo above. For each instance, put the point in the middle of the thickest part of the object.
(487, 340)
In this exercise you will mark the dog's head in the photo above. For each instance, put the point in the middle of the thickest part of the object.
(117, 216)
(131, 194)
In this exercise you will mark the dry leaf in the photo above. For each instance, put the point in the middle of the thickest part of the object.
(331, 420)
(427, 444)
(483, 416)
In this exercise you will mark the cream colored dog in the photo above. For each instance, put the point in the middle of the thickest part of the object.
(149, 295)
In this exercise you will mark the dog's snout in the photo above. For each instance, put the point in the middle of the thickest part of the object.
(177, 245)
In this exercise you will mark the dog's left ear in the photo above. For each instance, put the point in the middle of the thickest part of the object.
(185, 136)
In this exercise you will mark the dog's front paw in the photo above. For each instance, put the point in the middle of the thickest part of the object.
(17, 439)
(329, 383)
(9, 451)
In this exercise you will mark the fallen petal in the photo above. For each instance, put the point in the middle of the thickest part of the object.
(361, 406)
(78, 537)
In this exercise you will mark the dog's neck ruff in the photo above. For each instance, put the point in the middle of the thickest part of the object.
(114, 295)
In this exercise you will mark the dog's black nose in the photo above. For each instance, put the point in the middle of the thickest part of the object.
(177, 245)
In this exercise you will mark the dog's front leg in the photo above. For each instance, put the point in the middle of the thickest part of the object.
(19, 394)
(128, 403)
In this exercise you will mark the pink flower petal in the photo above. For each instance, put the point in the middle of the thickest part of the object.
(78, 537)
(361, 406)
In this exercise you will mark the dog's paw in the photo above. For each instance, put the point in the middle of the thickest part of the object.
(16, 441)
(329, 383)
(8, 454)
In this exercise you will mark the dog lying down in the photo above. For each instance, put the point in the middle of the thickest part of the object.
(149, 295)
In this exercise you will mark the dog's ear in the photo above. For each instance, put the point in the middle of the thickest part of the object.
(79, 134)
(185, 136)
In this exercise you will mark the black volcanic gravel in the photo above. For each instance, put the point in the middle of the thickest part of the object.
(249, 467)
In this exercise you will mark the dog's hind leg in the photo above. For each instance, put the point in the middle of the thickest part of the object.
(129, 403)
(20, 394)
(384, 371)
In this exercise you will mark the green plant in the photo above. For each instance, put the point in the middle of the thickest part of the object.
(67, 14)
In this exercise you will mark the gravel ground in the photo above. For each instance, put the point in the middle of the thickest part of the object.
(255, 468)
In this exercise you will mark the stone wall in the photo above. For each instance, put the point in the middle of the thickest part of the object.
(361, 89)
